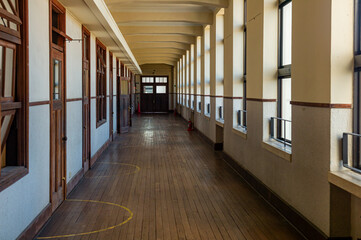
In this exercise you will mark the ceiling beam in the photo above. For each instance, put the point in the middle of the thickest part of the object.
(173, 63)
(156, 17)
(181, 46)
(154, 30)
(209, 3)
(161, 38)
(139, 55)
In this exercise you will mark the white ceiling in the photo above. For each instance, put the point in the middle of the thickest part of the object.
(160, 31)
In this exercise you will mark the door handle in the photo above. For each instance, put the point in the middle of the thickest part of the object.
(65, 139)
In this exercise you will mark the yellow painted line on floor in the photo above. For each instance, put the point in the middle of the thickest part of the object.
(96, 231)
(137, 169)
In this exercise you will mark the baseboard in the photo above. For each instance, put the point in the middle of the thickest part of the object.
(215, 146)
(218, 146)
(74, 181)
(99, 152)
(35, 226)
(309, 230)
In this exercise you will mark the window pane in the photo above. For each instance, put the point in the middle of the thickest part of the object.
(286, 106)
(1, 65)
(5, 127)
(9, 73)
(147, 89)
(56, 79)
(287, 34)
(161, 89)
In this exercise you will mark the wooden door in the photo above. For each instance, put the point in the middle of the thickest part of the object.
(111, 112)
(86, 100)
(123, 104)
(57, 130)
(154, 94)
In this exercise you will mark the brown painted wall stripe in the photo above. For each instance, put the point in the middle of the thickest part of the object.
(261, 100)
(39, 103)
(321, 105)
(74, 99)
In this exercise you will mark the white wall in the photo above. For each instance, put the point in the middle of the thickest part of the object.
(74, 91)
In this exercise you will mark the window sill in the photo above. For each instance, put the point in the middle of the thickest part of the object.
(206, 116)
(10, 175)
(100, 123)
(240, 132)
(220, 122)
(278, 149)
(347, 180)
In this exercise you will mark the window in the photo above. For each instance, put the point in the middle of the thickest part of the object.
(352, 157)
(192, 77)
(219, 64)
(240, 74)
(161, 89)
(281, 125)
(13, 94)
(207, 69)
(187, 79)
(148, 89)
(199, 67)
(101, 84)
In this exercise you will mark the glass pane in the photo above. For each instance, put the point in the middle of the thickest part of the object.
(161, 89)
(5, 126)
(56, 79)
(287, 34)
(286, 106)
(147, 89)
(9, 72)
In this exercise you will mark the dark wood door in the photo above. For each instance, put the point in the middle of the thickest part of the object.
(111, 112)
(86, 101)
(123, 104)
(154, 94)
(57, 130)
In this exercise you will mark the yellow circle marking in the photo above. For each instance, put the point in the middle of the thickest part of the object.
(97, 231)
(137, 168)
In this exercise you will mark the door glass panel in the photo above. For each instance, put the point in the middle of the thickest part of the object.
(161, 89)
(9, 73)
(147, 89)
(56, 79)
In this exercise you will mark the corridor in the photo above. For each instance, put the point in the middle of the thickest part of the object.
(161, 182)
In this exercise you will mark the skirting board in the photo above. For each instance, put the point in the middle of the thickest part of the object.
(35, 226)
(309, 230)
(99, 152)
(74, 181)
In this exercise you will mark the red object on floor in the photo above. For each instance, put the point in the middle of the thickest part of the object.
(190, 128)
(138, 107)
(175, 112)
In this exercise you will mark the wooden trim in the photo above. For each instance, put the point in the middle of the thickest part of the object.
(309, 230)
(35, 226)
(261, 100)
(321, 105)
(39, 103)
(74, 99)
(96, 156)
(74, 181)
(10, 175)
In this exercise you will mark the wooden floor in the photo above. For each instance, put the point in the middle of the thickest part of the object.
(161, 182)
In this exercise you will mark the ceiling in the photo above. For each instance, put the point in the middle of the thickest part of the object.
(161, 31)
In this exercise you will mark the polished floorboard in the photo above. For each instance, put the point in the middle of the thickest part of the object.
(161, 182)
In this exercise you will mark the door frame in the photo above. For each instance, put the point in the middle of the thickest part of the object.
(85, 31)
(54, 4)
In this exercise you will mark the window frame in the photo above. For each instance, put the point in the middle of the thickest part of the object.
(101, 85)
(284, 72)
(11, 174)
